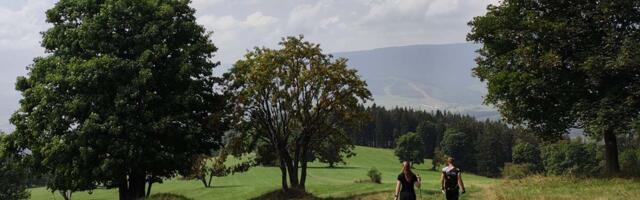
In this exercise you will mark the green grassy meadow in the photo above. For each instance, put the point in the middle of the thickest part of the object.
(339, 182)
(323, 182)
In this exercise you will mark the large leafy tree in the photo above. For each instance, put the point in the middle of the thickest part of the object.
(553, 65)
(124, 95)
(459, 145)
(293, 98)
(334, 149)
(431, 133)
(410, 147)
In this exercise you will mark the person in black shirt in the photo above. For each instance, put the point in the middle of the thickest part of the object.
(405, 183)
(451, 181)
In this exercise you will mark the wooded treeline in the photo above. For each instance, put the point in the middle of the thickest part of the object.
(486, 145)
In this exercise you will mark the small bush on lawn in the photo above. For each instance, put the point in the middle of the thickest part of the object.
(375, 175)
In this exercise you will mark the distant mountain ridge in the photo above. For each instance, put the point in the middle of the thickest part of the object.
(425, 77)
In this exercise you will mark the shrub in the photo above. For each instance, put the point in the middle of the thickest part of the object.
(375, 175)
(630, 162)
(525, 153)
(516, 171)
(265, 155)
(570, 158)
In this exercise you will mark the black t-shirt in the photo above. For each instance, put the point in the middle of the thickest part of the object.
(407, 186)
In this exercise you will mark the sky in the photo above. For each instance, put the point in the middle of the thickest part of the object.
(238, 25)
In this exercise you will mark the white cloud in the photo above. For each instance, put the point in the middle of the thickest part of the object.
(230, 23)
(439, 7)
(20, 26)
(205, 4)
(239, 25)
(258, 19)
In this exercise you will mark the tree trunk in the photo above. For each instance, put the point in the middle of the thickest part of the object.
(150, 182)
(123, 188)
(293, 173)
(66, 194)
(204, 180)
(303, 174)
(283, 171)
(209, 184)
(136, 186)
(133, 187)
(611, 152)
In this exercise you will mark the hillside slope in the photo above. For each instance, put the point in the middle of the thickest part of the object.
(322, 181)
(424, 77)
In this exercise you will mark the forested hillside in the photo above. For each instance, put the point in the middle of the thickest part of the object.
(486, 144)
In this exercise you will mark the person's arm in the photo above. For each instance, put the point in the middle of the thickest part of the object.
(461, 183)
(441, 181)
(397, 190)
(419, 182)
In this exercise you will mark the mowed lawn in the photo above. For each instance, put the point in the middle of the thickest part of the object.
(321, 182)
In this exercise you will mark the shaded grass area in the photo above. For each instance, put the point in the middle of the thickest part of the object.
(323, 182)
(564, 188)
(167, 196)
(382, 195)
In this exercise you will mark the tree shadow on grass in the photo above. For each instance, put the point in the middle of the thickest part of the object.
(336, 167)
(224, 186)
(167, 196)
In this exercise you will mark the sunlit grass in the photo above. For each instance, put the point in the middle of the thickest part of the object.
(322, 181)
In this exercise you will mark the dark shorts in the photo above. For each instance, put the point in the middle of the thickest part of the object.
(452, 194)
(407, 196)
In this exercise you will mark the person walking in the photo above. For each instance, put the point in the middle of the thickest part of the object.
(406, 181)
(451, 181)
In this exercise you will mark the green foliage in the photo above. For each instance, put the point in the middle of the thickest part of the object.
(335, 149)
(293, 98)
(516, 171)
(457, 145)
(13, 177)
(553, 65)
(570, 158)
(410, 147)
(630, 162)
(431, 133)
(374, 175)
(489, 142)
(493, 149)
(265, 155)
(125, 91)
(527, 154)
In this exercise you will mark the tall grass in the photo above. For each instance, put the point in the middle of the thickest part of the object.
(561, 188)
